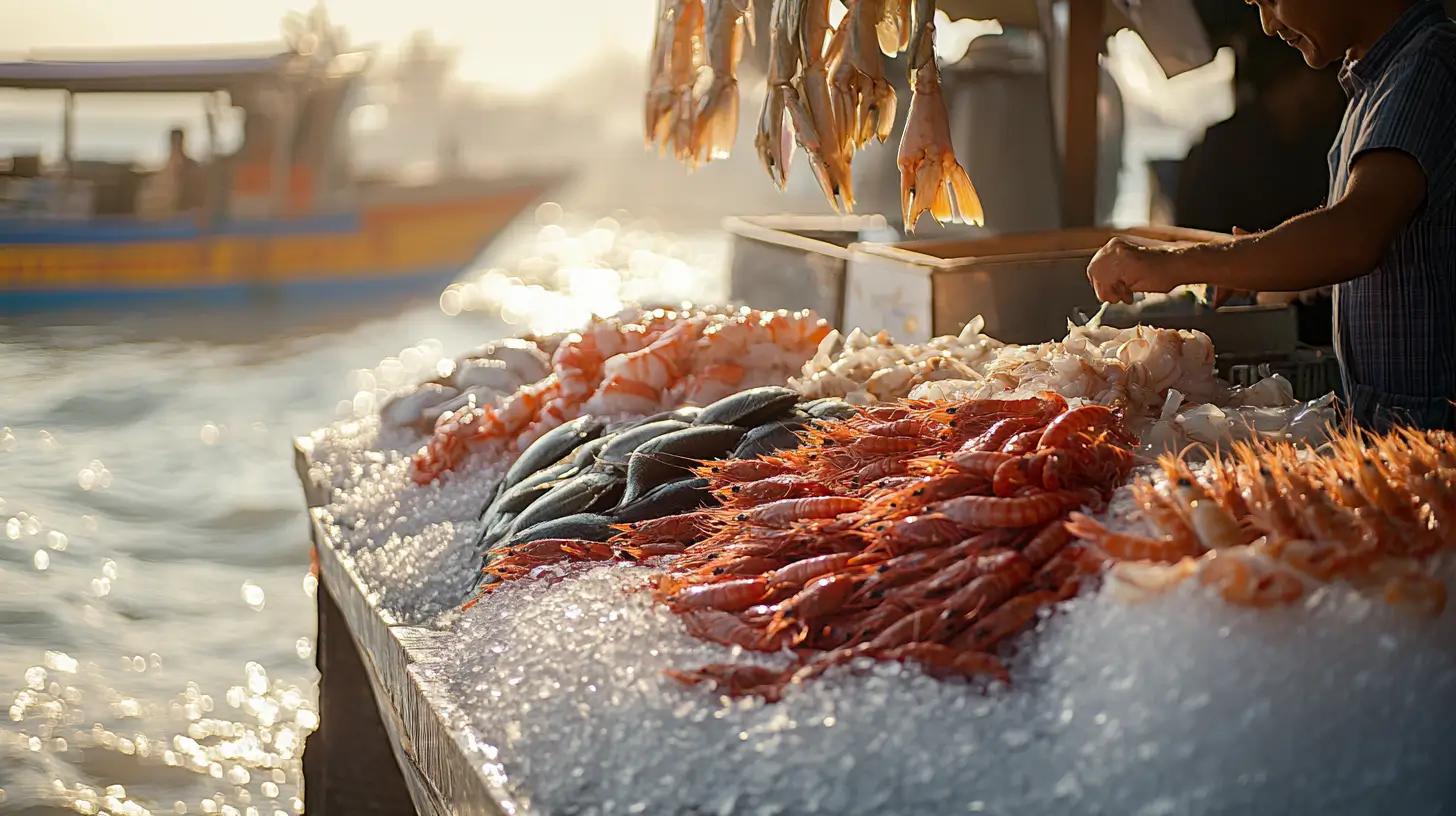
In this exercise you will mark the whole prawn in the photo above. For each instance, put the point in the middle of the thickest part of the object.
(984, 512)
(1127, 547)
(809, 569)
(822, 597)
(774, 488)
(1077, 425)
(785, 512)
(724, 596)
(992, 589)
(980, 463)
(727, 629)
(1005, 621)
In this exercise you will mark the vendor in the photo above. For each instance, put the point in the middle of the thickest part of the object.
(1279, 137)
(1386, 239)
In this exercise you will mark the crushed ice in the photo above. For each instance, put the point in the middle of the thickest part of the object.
(1181, 705)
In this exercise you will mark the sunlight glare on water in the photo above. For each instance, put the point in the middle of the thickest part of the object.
(157, 624)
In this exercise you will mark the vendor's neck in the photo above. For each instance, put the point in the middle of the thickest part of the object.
(1374, 19)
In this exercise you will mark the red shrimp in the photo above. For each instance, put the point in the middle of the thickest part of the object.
(774, 488)
(520, 560)
(744, 565)
(999, 434)
(915, 533)
(741, 470)
(735, 680)
(980, 463)
(725, 596)
(1052, 539)
(1062, 574)
(727, 629)
(821, 598)
(1023, 443)
(979, 544)
(1006, 620)
(897, 571)
(923, 491)
(1078, 425)
(884, 413)
(802, 572)
(1127, 547)
(681, 528)
(1012, 476)
(966, 570)
(876, 446)
(911, 427)
(911, 628)
(890, 483)
(990, 590)
(985, 512)
(637, 552)
(875, 471)
(785, 512)
(1102, 464)
(587, 550)
(1045, 403)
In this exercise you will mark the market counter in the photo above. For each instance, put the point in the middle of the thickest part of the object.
(382, 745)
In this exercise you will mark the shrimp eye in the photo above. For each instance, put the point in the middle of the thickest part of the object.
(719, 570)
(741, 517)
(1185, 482)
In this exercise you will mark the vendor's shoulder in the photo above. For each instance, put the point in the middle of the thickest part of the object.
(1425, 68)
(1434, 48)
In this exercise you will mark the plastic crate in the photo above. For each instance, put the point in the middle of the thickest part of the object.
(1312, 372)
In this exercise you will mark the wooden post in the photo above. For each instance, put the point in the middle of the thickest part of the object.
(1079, 152)
(68, 133)
(283, 127)
(348, 765)
(210, 107)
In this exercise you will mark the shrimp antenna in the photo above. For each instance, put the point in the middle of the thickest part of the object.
(1183, 454)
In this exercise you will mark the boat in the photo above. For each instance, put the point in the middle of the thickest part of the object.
(282, 227)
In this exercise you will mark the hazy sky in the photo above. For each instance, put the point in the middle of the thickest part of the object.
(510, 45)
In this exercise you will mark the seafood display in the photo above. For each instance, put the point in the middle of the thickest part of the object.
(583, 477)
(481, 376)
(961, 551)
(923, 532)
(1163, 379)
(826, 91)
(1270, 522)
(932, 532)
(865, 369)
(629, 365)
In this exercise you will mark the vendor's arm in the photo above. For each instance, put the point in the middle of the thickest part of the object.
(1321, 248)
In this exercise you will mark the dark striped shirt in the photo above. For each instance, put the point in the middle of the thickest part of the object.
(1395, 328)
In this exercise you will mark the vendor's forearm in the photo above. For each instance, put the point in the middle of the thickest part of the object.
(1321, 248)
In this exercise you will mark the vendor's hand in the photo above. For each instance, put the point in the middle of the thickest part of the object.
(1121, 268)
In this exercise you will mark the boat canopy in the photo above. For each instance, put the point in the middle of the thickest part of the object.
(159, 73)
